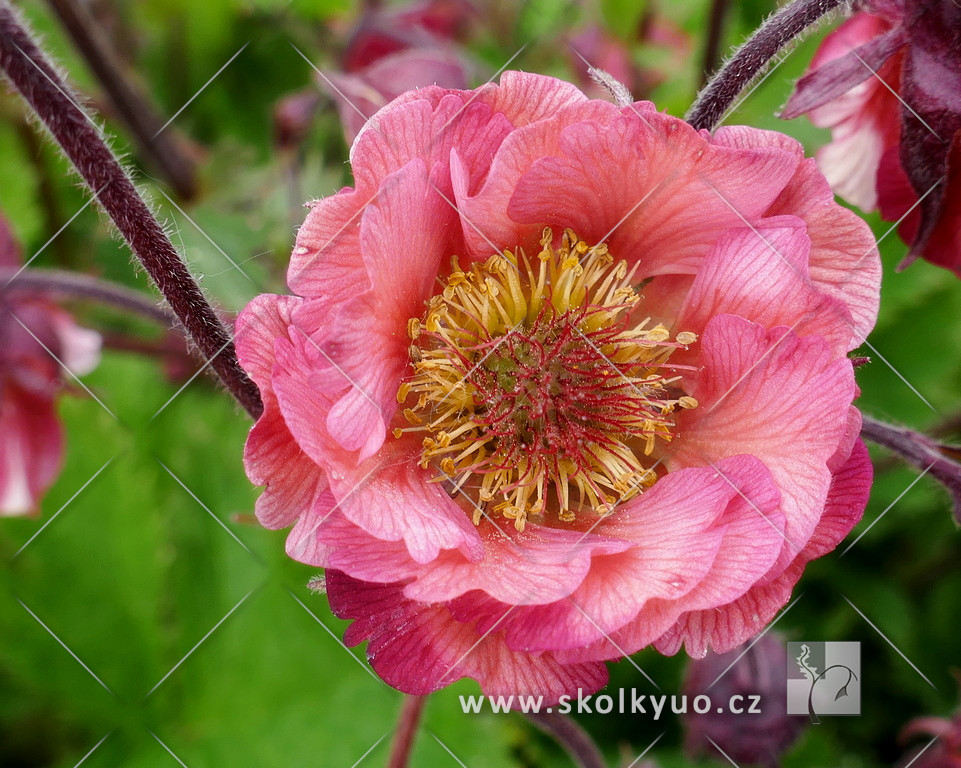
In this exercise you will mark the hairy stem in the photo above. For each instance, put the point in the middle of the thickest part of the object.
(38, 82)
(407, 724)
(575, 740)
(61, 284)
(165, 151)
(751, 58)
(936, 459)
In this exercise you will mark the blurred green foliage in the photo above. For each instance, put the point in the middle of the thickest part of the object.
(132, 571)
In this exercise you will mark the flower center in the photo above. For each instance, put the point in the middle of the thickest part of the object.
(535, 389)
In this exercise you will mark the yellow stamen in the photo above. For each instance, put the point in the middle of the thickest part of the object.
(533, 380)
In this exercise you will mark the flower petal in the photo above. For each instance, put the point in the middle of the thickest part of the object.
(538, 566)
(31, 451)
(699, 535)
(775, 396)
(427, 124)
(649, 185)
(418, 647)
(844, 255)
(79, 348)
(271, 455)
(387, 495)
(524, 98)
(721, 629)
(849, 56)
(762, 273)
(359, 95)
(392, 498)
(326, 258)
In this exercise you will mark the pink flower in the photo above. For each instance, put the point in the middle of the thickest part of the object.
(422, 24)
(887, 83)
(31, 438)
(561, 380)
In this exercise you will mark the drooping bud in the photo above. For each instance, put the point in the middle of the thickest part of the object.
(888, 84)
(762, 731)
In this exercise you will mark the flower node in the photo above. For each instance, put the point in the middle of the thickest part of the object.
(532, 378)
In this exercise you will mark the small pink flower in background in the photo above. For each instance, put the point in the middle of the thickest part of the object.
(396, 50)
(887, 83)
(31, 438)
(423, 24)
(561, 380)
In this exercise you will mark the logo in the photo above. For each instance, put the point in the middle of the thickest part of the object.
(823, 679)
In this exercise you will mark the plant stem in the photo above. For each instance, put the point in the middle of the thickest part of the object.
(407, 724)
(167, 153)
(59, 283)
(575, 740)
(781, 28)
(715, 31)
(920, 451)
(38, 82)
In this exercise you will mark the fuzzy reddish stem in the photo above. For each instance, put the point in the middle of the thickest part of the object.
(751, 58)
(43, 89)
(920, 451)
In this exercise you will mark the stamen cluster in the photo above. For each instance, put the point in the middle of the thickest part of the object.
(532, 376)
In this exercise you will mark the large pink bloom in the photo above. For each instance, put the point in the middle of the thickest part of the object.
(887, 83)
(31, 438)
(712, 331)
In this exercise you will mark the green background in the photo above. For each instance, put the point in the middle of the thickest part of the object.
(204, 646)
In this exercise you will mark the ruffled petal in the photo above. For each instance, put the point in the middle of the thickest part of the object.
(326, 257)
(524, 98)
(539, 565)
(699, 535)
(387, 495)
(762, 273)
(775, 396)
(844, 260)
(419, 648)
(392, 498)
(271, 455)
(366, 352)
(327, 539)
(427, 124)
(722, 628)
